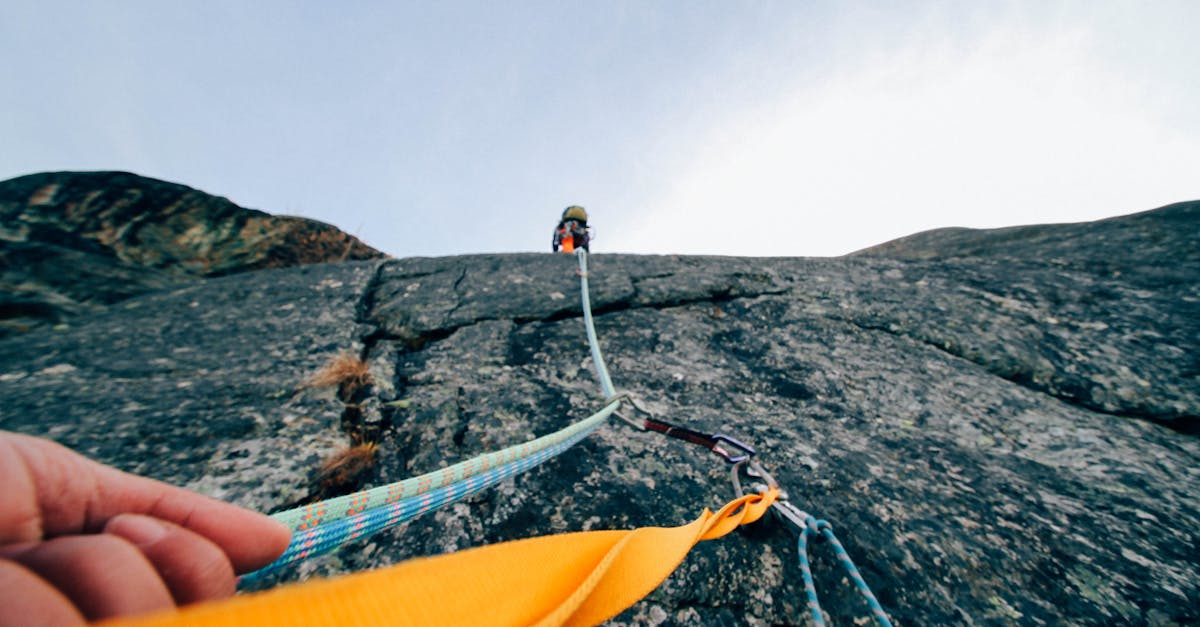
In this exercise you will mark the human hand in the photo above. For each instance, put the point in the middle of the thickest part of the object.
(83, 541)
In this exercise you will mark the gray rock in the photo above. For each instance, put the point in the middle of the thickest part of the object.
(199, 386)
(74, 242)
(997, 438)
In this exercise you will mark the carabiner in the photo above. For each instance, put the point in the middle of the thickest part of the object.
(794, 516)
(747, 451)
(753, 470)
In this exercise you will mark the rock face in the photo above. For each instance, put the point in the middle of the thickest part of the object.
(71, 242)
(1004, 435)
(1096, 310)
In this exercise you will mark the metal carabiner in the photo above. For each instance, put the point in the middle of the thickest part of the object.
(754, 470)
(747, 451)
(734, 452)
(794, 516)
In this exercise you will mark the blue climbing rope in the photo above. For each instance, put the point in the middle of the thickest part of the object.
(806, 525)
(326, 511)
(328, 536)
(322, 527)
(817, 529)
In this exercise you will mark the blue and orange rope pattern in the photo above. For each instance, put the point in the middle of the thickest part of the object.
(322, 527)
(326, 537)
(330, 510)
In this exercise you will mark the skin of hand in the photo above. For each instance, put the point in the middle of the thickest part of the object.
(80, 541)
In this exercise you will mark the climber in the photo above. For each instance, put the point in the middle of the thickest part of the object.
(572, 231)
(81, 541)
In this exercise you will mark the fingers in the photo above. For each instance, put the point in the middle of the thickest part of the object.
(29, 601)
(140, 564)
(103, 575)
(56, 492)
(249, 539)
(20, 517)
(193, 568)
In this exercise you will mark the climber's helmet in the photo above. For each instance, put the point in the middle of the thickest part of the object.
(575, 212)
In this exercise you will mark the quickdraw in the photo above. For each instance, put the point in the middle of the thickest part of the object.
(741, 456)
(327, 525)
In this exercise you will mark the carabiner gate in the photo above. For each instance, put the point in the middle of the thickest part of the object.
(792, 515)
(741, 453)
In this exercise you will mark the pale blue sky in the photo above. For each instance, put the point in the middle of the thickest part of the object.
(743, 128)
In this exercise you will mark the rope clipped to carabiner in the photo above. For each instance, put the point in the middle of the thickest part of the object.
(740, 455)
(818, 529)
(807, 526)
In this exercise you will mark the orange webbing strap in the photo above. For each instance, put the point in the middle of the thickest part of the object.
(579, 578)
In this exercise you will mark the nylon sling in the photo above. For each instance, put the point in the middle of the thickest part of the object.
(581, 578)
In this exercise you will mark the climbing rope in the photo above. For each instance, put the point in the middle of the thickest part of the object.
(817, 529)
(322, 538)
(329, 510)
(324, 526)
(806, 525)
(606, 385)
(737, 453)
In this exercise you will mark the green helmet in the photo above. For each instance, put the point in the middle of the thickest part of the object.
(575, 212)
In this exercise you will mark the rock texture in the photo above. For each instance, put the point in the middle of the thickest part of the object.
(1097, 310)
(71, 242)
(1003, 435)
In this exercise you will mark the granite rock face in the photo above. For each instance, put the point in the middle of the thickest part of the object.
(72, 242)
(1124, 277)
(998, 437)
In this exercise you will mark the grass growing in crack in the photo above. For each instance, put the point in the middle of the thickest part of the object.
(351, 467)
(349, 373)
(347, 470)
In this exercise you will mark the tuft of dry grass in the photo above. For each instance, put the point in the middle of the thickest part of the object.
(344, 370)
(347, 470)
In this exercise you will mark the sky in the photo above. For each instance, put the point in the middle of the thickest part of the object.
(732, 128)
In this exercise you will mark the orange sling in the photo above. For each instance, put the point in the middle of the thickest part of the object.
(579, 578)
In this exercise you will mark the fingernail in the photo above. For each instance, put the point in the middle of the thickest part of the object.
(140, 530)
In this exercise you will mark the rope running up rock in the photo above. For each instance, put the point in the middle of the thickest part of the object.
(321, 527)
